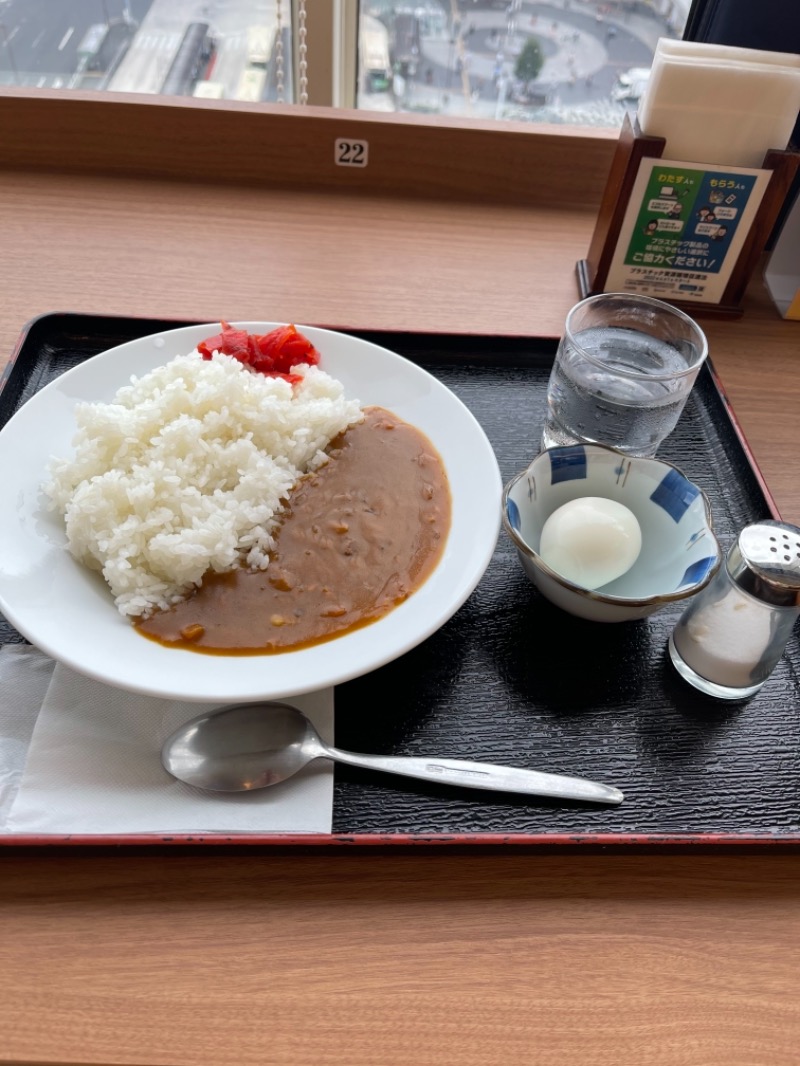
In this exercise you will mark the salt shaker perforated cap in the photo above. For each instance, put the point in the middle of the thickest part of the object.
(765, 562)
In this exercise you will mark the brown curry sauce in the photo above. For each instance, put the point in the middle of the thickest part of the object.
(357, 538)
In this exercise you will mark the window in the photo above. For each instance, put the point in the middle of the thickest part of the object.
(566, 61)
(560, 61)
(239, 49)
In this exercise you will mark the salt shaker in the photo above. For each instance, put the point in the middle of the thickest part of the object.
(729, 639)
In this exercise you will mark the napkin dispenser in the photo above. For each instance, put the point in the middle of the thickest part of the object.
(697, 181)
(719, 104)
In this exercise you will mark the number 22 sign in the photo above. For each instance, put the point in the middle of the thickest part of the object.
(350, 153)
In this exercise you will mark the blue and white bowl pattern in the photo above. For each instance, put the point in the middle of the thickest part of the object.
(680, 552)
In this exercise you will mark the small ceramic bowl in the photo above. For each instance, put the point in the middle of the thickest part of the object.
(680, 552)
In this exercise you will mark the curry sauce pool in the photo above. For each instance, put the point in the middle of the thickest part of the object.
(358, 537)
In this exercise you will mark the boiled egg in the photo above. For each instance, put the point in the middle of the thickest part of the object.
(591, 541)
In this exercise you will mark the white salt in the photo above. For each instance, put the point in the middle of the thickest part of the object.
(725, 641)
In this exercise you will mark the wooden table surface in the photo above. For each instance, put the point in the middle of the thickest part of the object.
(435, 956)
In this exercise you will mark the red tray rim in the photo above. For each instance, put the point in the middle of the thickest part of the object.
(333, 840)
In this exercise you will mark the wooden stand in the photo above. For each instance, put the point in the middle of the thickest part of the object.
(634, 146)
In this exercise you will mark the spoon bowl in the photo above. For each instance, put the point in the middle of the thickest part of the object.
(242, 747)
(254, 745)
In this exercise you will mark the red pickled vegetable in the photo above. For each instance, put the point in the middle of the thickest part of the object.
(273, 354)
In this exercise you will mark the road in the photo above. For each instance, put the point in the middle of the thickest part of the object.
(469, 68)
(148, 59)
(39, 39)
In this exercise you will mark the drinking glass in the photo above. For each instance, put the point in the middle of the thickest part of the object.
(623, 371)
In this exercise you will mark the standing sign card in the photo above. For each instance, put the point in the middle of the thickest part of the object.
(684, 228)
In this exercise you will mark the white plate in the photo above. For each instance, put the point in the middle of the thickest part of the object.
(68, 612)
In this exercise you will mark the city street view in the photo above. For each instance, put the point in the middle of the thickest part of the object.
(531, 60)
(554, 61)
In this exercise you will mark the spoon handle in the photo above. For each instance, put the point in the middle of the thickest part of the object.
(483, 775)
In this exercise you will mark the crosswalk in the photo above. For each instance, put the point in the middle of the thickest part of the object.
(150, 55)
(168, 42)
(156, 42)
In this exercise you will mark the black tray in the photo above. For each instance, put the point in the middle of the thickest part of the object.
(510, 678)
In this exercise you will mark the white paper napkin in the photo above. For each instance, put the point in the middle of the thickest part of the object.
(91, 756)
(715, 104)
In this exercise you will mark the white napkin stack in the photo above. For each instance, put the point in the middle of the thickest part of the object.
(717, 104)
(80, 757)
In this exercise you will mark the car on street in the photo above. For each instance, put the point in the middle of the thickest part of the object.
(630, 84)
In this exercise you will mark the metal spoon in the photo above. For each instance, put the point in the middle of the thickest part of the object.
(252, 745)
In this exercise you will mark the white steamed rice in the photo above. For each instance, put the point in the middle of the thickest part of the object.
(186, 471)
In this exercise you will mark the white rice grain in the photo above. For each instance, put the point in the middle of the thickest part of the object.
(187, 469)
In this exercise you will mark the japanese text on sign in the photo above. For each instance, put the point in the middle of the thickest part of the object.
(683, 229)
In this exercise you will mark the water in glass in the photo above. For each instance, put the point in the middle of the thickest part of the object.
(597, 400)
